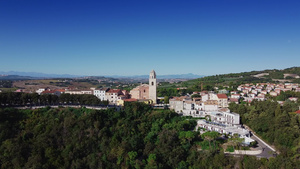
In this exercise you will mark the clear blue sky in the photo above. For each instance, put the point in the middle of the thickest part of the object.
(125, 37)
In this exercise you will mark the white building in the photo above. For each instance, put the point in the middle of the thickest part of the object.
(39, 91)
(112, 95)
(100, 93)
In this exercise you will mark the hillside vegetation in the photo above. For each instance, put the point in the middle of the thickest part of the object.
(135, 137)
(246, 77)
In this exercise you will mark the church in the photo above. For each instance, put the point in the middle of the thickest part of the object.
(146, 91)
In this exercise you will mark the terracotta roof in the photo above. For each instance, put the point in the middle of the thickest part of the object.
(298, 112)
(114, 91)
(234, 100)
(60, 90)
(222, 96)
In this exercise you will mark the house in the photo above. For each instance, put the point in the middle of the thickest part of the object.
(254, 91)
(277, 90)
(259, 89)
(274, 94)
(100, 93)
(240, 88)
(248, 99)
(39, 91)
(235, 96)
(264, 92)
(246, 91)
(222, 100)
(19, 90)
(176, 103)
(86, 91)
(234, 100)
(287, 89)
(112, 95)
(297, 112)
(294, 99)
(297, 89)
(73, 92)
(261, 96)
(252, 95)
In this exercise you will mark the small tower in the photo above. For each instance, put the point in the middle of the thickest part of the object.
(152, 86)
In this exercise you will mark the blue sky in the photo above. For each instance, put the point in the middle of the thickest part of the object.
(204, 37)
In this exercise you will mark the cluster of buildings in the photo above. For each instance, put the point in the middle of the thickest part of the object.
(212, 109)
(249, 92)
(144, 93)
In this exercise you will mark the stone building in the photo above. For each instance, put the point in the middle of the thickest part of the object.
(146, 91)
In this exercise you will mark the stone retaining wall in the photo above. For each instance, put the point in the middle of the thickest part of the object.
(245, 152)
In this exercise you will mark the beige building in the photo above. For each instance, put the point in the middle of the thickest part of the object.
(222, 100)
(146, 91)
(140, 92)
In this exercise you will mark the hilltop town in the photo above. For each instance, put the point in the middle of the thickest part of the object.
(219, 113)
(210, 107)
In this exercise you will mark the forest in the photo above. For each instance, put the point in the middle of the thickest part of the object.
(14, 99)
(276, 124)
(137, 136)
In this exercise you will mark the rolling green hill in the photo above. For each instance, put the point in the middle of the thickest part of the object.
(233, 79)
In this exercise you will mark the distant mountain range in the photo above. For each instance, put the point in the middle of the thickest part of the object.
(33, 75)
(14, 75)
(176, 76)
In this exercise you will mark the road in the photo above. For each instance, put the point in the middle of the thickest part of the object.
(267, 152)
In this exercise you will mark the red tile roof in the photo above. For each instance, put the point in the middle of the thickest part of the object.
(222, 96)
(114, 91)
(298, 112)
(60, 90)
(234, 100)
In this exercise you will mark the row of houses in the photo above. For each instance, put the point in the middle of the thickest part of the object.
(249, 92)
(104, 94)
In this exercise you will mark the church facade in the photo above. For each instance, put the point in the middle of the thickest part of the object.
(146, 91)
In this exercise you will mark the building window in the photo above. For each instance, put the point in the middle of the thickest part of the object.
(152, 83)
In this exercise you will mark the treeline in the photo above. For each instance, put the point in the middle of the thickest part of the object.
(285, 95)
(8, 99)
(135, 137)
(279, 125)
(6, 84)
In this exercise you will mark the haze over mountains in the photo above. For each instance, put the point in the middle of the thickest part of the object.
(36, 75)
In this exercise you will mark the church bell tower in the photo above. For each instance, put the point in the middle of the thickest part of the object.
(152, 86)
